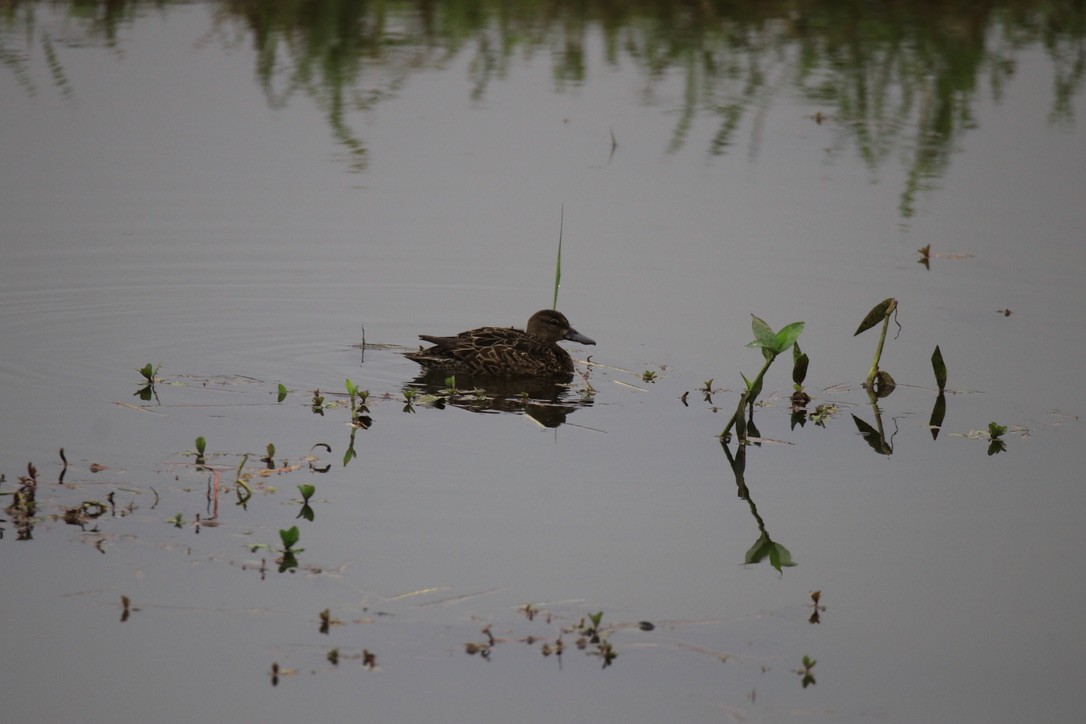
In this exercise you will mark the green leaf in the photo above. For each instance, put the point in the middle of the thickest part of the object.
(996, 430)
(799, 368)
(763, 334)
(200, 445)
(271, 450)
(787, 337)
(939, 367)
(878, 313)
(289, 537)
(306, 490)
(779, 557)
(352, 389)
(759, 550)
(282, 392)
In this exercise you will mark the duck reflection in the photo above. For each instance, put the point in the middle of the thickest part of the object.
(546, 400)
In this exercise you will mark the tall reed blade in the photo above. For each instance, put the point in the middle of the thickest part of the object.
(558, 266)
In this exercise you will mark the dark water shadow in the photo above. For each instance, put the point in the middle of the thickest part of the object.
(548, 401)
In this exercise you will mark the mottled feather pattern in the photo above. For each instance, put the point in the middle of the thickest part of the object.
(505, 351)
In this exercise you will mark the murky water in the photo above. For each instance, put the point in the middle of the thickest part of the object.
(241, 199)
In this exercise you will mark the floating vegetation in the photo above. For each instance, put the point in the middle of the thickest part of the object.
(307, 492)
(995, 438)
(327, 621)
(926, 255)
(806, 672)
(150, 374)
(289, 538)
(591, 636)
(817, 609)
(938, 410)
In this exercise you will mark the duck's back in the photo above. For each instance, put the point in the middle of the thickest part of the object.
(496, 351)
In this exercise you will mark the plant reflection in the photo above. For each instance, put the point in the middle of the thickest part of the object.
(765, 548)
(889, 79)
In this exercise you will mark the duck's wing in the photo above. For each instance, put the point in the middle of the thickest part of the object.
(495, 351)
(482, 338)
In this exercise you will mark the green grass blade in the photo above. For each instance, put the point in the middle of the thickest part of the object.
(558, 266)
(557, 269)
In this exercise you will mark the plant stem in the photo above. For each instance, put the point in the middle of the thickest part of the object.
(745, 398)
(878, 353)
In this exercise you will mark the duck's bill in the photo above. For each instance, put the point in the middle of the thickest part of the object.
(575, 336)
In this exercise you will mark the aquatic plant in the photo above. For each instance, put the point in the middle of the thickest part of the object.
(282, 392)
(148, 392)
(307, 492)
(939, 368)
(816, 607)
(772, 344)
(995, 438)
(269, 457)
(806, 673)
(558, 264)
(148, 371)
(879, 382)
(289, 538)
(240, 481)
(938, 410)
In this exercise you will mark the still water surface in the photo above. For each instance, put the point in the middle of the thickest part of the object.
(241, 198)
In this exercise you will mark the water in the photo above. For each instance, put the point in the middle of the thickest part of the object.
(166, 199)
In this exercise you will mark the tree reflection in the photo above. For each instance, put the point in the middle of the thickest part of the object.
(891, 79)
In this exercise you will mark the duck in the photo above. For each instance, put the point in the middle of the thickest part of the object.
(505, 351)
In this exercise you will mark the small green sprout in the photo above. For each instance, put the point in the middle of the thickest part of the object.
(772, 344)
(995, 436)
(307, 492)
(806, 673)
(289, 538)
(148, 371)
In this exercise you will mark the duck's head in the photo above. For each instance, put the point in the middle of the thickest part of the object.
(553, 326)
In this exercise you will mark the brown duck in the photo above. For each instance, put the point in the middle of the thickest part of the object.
(505, 351)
